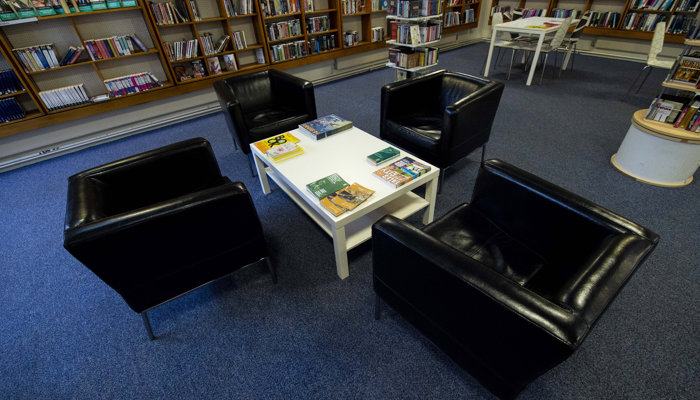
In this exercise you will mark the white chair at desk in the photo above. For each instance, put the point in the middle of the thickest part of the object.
(657, 44)
(546, 48)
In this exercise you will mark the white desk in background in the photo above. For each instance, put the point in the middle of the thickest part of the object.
(521, 26)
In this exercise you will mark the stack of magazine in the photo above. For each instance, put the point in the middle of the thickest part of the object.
(338, 196)
(401, 172)
(281, 147)
(325, 126)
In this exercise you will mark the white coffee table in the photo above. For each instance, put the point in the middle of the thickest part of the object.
(345, 153)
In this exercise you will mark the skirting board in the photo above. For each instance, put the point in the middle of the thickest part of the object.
(106, 136)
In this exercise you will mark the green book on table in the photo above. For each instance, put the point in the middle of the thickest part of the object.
(383, 155)
(325, 186)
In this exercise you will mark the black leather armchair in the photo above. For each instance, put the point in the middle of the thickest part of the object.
(159, 224)
(440, 117)
(263, 104)
(510, 284)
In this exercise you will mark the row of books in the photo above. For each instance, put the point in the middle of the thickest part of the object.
(686, 70)
(239, 40)
(378, 5)
(239, 7)
(279, 7)
(37, 58)
(192, 70)
(134, 83)
(565, 13)
(679, 24)
(338, 196)
(377, 33)
(321, 43)
(15, 9)
(10, 110)
(72, 55)
(414, 8)
(348, 7)
(642, 21)
(115, 46)
(9, 83)
(410, 58)
(288, 51)
(658, 5)
(181, 50)
(455, 17)
(683, 114)
(604, 19)
(215, 66)
(210, 47)
(687, 5)
(415, 34)
(68, 96)
(284, 29)
(318, 24)
(168, 13)
(351, 38)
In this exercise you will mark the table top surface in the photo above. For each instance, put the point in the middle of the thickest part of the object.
(344, 153)
(528, 24)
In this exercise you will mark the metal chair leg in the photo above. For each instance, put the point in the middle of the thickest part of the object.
(147, 324)
(636, 78)
(377, 307)
(512, 55)
(645, 78)
(544, 66)
(273, 271)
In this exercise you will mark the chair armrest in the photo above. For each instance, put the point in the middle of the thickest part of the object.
(459, 290)
(233, 112)
(156, 241)
(471, 117)
(596, 284)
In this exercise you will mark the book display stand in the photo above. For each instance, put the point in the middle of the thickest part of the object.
(413, 31)
(657, 152)
(633, 19)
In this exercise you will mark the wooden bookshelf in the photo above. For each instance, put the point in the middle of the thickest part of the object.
(624, 7)
(73, 29)
(468, 12)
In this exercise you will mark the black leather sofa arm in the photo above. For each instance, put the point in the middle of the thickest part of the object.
(152, 236)
(404, 255)
(222, 196)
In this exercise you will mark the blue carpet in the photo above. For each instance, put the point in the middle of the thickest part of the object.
(65, 334)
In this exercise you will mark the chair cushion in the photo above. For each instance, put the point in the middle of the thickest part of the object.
(421, 130)
(469, 231)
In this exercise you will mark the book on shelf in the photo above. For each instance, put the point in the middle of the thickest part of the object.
(383, 155)
(214, 66)
(7, 13)
(23, 8)
(64, 97)
(266, 144)
(10, 110)
(133, 83)
(325, 126)
(338, 196)
(230, 62)
(401, 172)
(9, 83)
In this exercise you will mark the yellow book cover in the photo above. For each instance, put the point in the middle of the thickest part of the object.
(351, 196)
(266, 144)
(334, 209)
